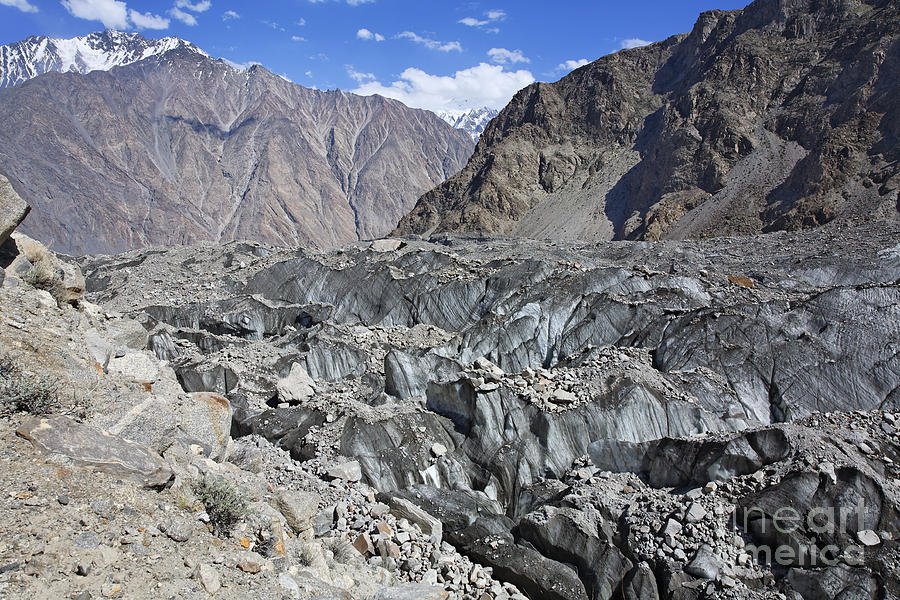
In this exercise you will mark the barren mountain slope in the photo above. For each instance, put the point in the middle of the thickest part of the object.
(181, 148)
(784, 115)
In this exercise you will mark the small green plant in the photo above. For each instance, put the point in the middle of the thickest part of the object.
(44, 277)
(25, 392)
(222, 501)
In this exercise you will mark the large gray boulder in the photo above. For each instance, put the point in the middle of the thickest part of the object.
(91, 447)
(581, 538)
(13, 209)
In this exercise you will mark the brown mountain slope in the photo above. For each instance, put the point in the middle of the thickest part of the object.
(182, 148)
(784, 115)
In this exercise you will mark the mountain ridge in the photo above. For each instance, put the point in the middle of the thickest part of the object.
(783, 115)
(37, 55)
(181, 148)
(103, 50)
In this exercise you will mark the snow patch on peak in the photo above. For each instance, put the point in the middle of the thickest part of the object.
(473, 120)
(100, 51)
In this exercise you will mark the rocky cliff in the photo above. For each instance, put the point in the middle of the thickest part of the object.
(781, 116)
(180, 148)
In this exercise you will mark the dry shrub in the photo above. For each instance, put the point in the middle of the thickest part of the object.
(223, 502)
(21, 391)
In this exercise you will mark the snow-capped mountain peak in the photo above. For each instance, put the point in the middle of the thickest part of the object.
(100, 51)
(472, 121)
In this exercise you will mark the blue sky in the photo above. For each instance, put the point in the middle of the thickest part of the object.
(441, 55)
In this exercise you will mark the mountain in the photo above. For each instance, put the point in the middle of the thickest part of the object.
(781, 116)
(473, 121)
(180, 148)
(102, 51)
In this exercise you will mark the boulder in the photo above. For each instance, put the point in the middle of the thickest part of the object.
(201, 418)
(153, 422)
(404, 509)
(65, 280)
(88, 446)
(705, 564)
(99, 347)
(206, 418)
(136, 366)
(348, 471)
(832, 583)
(125, 335)
(13, 209)
(209, 578)
(640, 584)
(297, 386)
(581, 538)
(298, 509)
(534, 574)
(386, 245)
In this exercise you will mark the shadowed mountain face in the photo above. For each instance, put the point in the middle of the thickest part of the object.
(181, 148)
(782, 116)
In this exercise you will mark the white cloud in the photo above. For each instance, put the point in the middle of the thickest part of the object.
(502, 56)
(112, 13)
(147, 20)
(491, 16)
(571, 65)
(629, 43)
(229, 15)
(23, 5)
(481, 85)
(473, 22)
(185, 17)
(199, 6)
(359, 77)
(365, 34)
(430, 43)
(301, 22)
(298, 38)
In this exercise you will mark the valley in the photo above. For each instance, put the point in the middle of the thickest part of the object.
(635, 336)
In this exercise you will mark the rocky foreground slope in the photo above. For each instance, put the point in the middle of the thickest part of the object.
(181, 148)
(619, 420)
(781, 116)
(120, 484)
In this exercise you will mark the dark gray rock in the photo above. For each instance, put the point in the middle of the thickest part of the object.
(809, 512)
(680, 462)
(91, 447)
(640, 584)
(839, 582)
(13, 209)
(527, 569)
(705, 564)
(581, 538)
